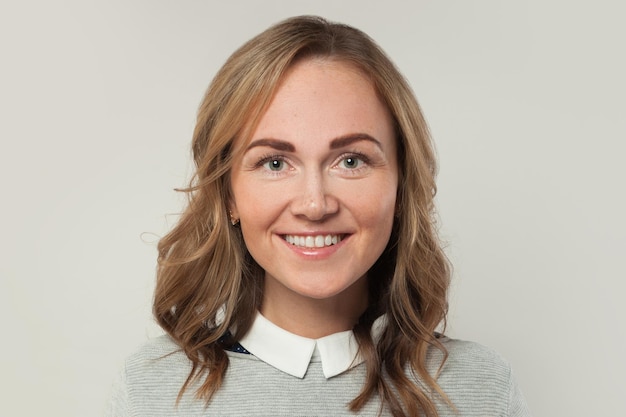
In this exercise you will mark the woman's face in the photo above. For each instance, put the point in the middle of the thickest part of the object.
(315, 189)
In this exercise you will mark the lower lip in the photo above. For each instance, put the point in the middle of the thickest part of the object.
(316, 253)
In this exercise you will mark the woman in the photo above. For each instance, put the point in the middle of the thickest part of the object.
(305, 276)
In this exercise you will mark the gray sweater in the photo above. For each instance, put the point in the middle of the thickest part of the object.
(478, 381)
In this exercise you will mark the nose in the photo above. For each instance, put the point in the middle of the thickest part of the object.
(313, 201)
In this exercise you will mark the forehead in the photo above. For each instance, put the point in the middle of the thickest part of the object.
(325, 93)
(306, 78)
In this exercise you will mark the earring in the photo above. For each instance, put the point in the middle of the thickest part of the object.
(233, 220)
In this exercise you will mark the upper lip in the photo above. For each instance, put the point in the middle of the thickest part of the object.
(324, 233)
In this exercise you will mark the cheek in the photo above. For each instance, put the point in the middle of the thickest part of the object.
(259, 205)
(375, 210)
(384, 212)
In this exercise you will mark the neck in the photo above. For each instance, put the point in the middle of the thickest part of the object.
(314, 318)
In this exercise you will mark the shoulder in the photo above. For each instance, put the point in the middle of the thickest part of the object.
(472, 356)
(151, 380)
(157, 348)
(159, 365)
(470, 361)
(157, 357)
(478, 380)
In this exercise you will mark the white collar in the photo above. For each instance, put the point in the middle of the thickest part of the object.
(292, 354)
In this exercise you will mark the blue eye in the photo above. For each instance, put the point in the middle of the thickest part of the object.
(275, 164)
(351, 162)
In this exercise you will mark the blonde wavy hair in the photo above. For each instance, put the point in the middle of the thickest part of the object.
(208, 284)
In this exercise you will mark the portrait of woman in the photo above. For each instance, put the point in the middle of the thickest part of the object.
(305, 275)
(239, 208)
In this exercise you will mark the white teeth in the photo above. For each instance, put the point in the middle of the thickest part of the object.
(318, 241)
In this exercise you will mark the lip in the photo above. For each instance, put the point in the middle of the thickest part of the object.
(317, 240)
(314, 253)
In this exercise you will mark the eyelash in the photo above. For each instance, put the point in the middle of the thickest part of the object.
(268, 158)
(355, 155)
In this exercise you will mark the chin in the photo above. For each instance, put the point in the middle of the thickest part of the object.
(332, 290)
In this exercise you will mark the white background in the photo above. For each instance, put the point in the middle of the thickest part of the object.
(526, 104)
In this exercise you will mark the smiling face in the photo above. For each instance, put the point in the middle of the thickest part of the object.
(315, 188)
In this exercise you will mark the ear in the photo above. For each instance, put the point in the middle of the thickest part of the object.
(232, 206)
(233, 213)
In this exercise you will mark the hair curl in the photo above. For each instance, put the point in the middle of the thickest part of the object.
(207, 283)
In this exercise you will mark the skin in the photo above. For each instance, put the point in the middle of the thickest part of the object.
(321, 162)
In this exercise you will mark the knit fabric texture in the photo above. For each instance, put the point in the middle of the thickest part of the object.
(477, 381)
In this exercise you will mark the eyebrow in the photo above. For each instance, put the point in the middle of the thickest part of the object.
(346, 140)
(340, 142)
(279, 145)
